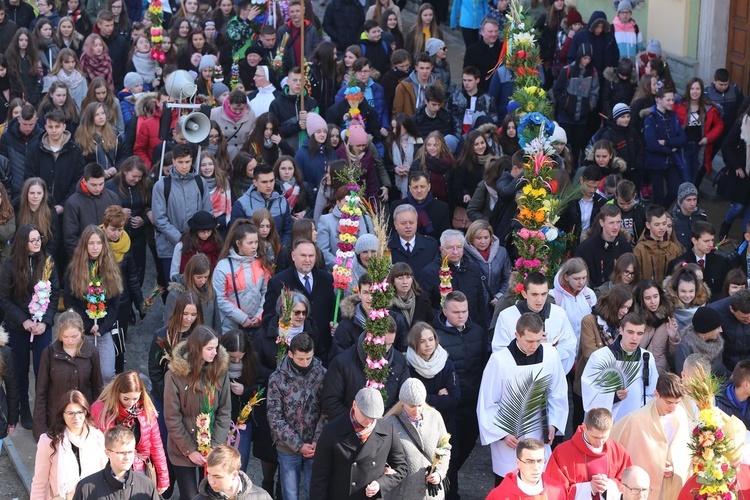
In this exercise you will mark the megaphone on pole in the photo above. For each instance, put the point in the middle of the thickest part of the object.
(179, 85)
(195, 127)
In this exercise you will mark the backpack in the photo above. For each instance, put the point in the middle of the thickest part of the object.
(168, 187)
(363, 48)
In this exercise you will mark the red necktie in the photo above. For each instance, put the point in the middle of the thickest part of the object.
(702, 263)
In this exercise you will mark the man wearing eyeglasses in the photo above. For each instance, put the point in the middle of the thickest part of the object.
(117, 479)
(527, 481)
(590, 464)
(635, 483)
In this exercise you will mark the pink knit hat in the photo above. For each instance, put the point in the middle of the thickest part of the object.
(357, 135)
(315, 122)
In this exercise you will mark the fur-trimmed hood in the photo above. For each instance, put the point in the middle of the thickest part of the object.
(711, 348)
(141, 100)
(177, 284)
(4, 337)
(180, 366)
(348, 306)
(610, 74)
(702, 295)
(618, 164)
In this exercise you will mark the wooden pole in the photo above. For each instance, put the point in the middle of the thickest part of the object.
(302, 59)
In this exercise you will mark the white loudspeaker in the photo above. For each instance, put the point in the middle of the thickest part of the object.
(180, 86)
(195, 127)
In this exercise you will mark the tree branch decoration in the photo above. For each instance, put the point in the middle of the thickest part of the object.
(285, 324)
(521, 410)
(351, 212)
(155, 11)
(377, 368)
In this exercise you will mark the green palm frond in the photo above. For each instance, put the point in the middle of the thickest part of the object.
(613, 375)
(519, 413)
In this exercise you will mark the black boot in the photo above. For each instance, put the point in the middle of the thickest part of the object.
(27, 421)
(724, 231)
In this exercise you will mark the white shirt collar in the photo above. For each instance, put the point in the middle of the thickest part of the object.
(410, 242)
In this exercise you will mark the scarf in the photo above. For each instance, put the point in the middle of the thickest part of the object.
(360, 430)
(129, 416)
(427, 368)
(302, 370)
(231, 114)
(235, 370)
(291, 192)
(294, 331)
(145, 66)
(523, 307)
(406, 306)
(437, 168)
(72, 79)
(423, 219)
(492, 193)
(210, 249)
(745, 136)
(608, 333)
(120, 247)
(98, 66)
(68, 469)
(221, 199)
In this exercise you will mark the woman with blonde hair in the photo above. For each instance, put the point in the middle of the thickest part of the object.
(196, 279)
(126, 402)
(94, 262)
(34, 207)
(99, 91)
(420, 428)
(99, 141)
(571, 292)
(68, 70)
(435, 159)
(71, 449)
(425, 28)
(484, 248)
(219, 190)
(66, 364)
(95, 60)
(67, 35)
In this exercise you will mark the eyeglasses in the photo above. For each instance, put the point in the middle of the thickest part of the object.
(123, 454)
(300, 313)
(454, 248)
(34, 241)
(637, 491)
(541, 461)
(75, 414)
(629, 273)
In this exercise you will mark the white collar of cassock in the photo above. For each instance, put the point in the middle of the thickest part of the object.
(590, 446)
(530, 489)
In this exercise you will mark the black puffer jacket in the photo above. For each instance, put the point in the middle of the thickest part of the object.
(286, 108)
(61, 171)
(468, 351)
(105, 486)
(343, 22)
(15, 148)
(627, 143)
(83, 209)
(17, 310)
(346, 376)
(21, 14)
(616, 90)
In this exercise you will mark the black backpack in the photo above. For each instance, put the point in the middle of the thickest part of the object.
(168, 187)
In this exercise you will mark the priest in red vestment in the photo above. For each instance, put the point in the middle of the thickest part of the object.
(527, 482)
(590, 463)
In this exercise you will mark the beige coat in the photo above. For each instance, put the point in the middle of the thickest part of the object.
(643, 437)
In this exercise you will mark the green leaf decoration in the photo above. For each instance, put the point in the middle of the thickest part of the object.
(613, 375)
(519, 413)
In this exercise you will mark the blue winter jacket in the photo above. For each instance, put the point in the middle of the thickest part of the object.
(378, 102)
(313, 168)
(252, 200)
(666, 126)
(467, 14)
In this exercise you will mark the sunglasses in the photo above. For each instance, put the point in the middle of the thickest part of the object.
(300, 313)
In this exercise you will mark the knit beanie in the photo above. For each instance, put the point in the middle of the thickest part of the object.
(132, 79)
(315, 122)
(207, 61)
(433, 45)
(412, 392)
(624, 5)
(706, 320)
(218, 88)
(558, 135)
(686, 189)
(366, 242)
(653, 49)
(573, 17)
(619, 110)
(357, 135)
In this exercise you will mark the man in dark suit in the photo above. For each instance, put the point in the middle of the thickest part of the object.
(315, 284)
(407, 245)
(715, 264)
(353, 451)
(432, 214)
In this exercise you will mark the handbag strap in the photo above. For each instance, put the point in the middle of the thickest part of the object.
(234, 283)
(419, 446)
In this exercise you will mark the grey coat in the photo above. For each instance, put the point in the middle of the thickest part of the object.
(210, 309)
(328, 234)
(428, 434)
(184, 201)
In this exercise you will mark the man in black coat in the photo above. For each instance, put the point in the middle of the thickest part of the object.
(430, 215)
(353, 451)
(343, 21)
(117, 45)
(407, 245)
(485, 53)
(466, 344)
(346, 375)
(465, 276)
(735, 325)
(21, 137)
(117, 477)
(7, 28)
(20, 12)
(715, 264)
(601, 250)
(320, 292)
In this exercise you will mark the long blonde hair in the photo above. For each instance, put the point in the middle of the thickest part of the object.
(80, 266)
(110, 397)
(87, 131)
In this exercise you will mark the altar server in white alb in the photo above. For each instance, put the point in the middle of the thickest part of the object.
(557, 328)
(620, 377)
(523, 394)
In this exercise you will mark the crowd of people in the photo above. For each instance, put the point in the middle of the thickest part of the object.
(97, 173)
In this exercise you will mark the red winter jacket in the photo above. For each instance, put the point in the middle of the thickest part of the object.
(713, 126)
(149, 446)
(147, 135)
